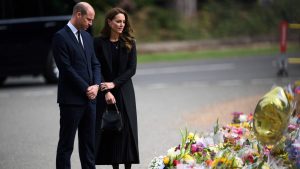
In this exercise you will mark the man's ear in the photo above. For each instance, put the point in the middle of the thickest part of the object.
(78, 14)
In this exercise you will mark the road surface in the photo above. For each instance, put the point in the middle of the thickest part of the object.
(165, 93)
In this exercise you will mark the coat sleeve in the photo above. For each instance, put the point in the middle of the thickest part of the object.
(99, 56)
(62, 59)
(96, 67)
(130, 68)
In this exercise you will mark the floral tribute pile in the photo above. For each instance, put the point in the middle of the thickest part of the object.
(233, 146)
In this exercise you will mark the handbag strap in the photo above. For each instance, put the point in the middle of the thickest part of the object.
(115, 107)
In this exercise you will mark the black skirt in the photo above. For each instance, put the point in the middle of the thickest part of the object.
(117, 147)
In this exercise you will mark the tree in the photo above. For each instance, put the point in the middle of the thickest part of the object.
(186, 8)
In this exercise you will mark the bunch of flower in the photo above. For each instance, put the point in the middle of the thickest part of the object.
(292, 142)
(231, 146)
(157, 163)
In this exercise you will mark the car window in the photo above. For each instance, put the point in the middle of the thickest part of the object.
(10, 9)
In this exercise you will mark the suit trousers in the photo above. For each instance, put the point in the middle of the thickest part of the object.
(83, 118)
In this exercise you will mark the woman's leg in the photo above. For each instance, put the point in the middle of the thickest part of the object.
(127, 166)
(115, 166)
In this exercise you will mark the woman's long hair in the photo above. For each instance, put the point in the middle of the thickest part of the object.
(126, 35)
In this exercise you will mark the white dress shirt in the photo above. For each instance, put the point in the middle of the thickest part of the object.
(75, 31)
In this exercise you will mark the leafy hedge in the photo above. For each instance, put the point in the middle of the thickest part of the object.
(214, 19)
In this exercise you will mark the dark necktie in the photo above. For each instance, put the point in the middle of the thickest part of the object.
(81, 45)
(79, 39)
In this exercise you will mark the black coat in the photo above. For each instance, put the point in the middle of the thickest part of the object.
(123, 83)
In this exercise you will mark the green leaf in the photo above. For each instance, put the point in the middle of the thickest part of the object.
(216, 128)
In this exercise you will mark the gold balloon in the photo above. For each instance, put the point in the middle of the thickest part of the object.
(271, 116)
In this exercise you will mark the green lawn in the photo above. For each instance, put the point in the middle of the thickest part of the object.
(211, 54)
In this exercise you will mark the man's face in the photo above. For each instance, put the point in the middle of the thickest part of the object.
(85, 21)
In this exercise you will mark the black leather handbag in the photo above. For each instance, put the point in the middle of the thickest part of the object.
(112, 120)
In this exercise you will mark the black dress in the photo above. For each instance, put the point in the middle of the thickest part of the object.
(116, 147)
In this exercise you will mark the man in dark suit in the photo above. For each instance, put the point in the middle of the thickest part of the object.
(79, 79)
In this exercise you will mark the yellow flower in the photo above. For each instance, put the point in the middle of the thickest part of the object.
(218, 162)
(237, 125)
(289, 97)
(193, 136)
(246, 125)
(265, 166)
(188, 159)
(270, 147)
(166, 160)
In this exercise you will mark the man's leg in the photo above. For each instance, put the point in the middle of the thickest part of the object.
(282, 65)
(69, 119)
(86, 137)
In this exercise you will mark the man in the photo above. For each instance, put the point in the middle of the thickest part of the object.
(79, 79)
(282, 59)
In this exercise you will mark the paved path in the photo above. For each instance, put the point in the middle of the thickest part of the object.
(166, 93)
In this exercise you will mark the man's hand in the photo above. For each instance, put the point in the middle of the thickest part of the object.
(107, 86)
(92, 91)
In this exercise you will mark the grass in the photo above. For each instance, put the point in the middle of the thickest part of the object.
(213, 54)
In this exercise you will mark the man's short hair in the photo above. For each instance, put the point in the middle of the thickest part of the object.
(80, 7)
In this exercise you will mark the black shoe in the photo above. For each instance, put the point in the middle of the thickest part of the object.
(280, 73)
(285, 73)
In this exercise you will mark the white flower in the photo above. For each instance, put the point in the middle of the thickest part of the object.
(243, 118)
(172, 153)
(156, 163)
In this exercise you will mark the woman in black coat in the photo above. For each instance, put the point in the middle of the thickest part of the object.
(116, 51)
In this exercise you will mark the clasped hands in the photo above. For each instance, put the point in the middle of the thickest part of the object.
(92, 91)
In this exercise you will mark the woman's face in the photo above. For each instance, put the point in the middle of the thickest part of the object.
(117, 24)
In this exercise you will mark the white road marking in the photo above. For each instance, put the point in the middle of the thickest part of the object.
(39, 93)
(184, 69)
(266, 81)
(230, 82)
(262, 81)
(196, 84)
(158, 86)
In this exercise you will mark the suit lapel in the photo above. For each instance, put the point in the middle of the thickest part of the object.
(86, 53)
(75, 41)
(79, 48)
(84, 41)
(71, 34)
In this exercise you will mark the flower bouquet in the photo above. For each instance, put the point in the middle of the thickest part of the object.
(234, 145)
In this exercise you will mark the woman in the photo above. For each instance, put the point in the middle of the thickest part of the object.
(116, 51)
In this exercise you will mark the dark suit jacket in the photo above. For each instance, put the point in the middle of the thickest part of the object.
(78, 68)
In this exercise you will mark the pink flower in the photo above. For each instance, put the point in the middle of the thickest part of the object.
(194, 148)
(267, 151)
(292, 127)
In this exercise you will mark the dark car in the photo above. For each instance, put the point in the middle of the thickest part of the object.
(26, 30)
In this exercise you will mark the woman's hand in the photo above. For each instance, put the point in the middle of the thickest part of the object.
(110, 98)
(107, 86)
